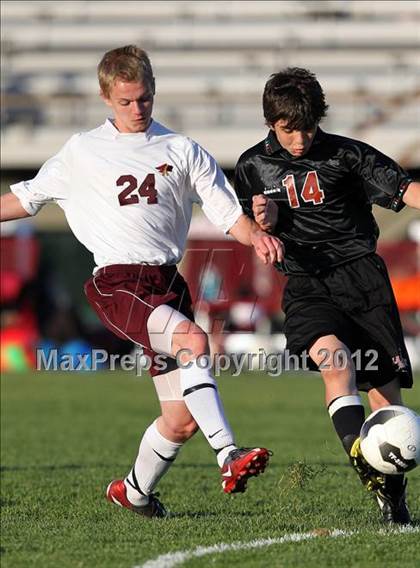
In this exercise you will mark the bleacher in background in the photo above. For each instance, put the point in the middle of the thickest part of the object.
(211, 60)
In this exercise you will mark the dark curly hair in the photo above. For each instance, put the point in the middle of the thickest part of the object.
(294, 95)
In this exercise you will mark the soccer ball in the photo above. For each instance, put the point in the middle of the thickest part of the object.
(390, 439)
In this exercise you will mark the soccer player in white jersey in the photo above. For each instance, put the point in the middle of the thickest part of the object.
(127, 190)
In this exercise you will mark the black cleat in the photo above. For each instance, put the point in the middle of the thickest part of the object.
(391, 500)
(389, 489)
(372, 479)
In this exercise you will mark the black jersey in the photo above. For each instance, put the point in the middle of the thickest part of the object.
(324, 197)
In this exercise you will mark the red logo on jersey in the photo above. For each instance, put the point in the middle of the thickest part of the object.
(164, 169)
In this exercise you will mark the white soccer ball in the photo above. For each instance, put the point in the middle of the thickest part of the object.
(390, 439)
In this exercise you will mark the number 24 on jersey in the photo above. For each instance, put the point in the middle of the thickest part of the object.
(146, 189)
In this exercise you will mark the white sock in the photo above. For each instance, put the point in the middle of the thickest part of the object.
(202, 398)
(223, 454)
(155, 457)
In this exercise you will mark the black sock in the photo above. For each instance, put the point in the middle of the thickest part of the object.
(395, 485)
(348, 414)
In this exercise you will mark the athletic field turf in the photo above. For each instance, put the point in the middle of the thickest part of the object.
(66, 435)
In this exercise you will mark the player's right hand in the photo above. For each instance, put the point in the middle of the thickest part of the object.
(265, 211)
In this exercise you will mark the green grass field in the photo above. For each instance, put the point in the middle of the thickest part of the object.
(66, 435)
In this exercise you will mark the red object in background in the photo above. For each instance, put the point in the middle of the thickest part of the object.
(402, 260)
(19, 330)
(218, 270)
(407, 292)
(11, 284)
(237, 265)
(19, 260)
(401, 257)
(18, 340)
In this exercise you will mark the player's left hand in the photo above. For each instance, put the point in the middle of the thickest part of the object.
(269, 249)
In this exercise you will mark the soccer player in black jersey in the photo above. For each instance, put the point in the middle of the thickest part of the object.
(315, 191)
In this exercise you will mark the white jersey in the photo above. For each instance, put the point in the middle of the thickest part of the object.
(128, 197)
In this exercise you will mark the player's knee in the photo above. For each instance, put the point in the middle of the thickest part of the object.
(199, 344)
(193, 344)
(338, 374)
(182, 430)
(188, 430)
(389, 393)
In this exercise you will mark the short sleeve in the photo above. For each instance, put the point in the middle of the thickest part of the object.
(211, 188)
(51, 184)
(243, 187)
(383, 180)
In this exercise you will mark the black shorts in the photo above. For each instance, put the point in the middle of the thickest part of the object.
(354, 302)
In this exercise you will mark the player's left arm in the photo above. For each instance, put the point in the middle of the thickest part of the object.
(385, 182)
(222, 207)
(411, 196)
(269, 249)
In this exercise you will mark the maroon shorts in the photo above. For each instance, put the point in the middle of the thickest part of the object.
(124, 296)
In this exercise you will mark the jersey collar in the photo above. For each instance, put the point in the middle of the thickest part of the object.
(272, 145)
(111, 131)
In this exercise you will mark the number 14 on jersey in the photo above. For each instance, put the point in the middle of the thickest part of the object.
(311, 192)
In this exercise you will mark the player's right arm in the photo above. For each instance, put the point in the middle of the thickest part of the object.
(11, 208)
(51, 184)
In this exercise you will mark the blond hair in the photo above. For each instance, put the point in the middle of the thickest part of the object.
(129, 63)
